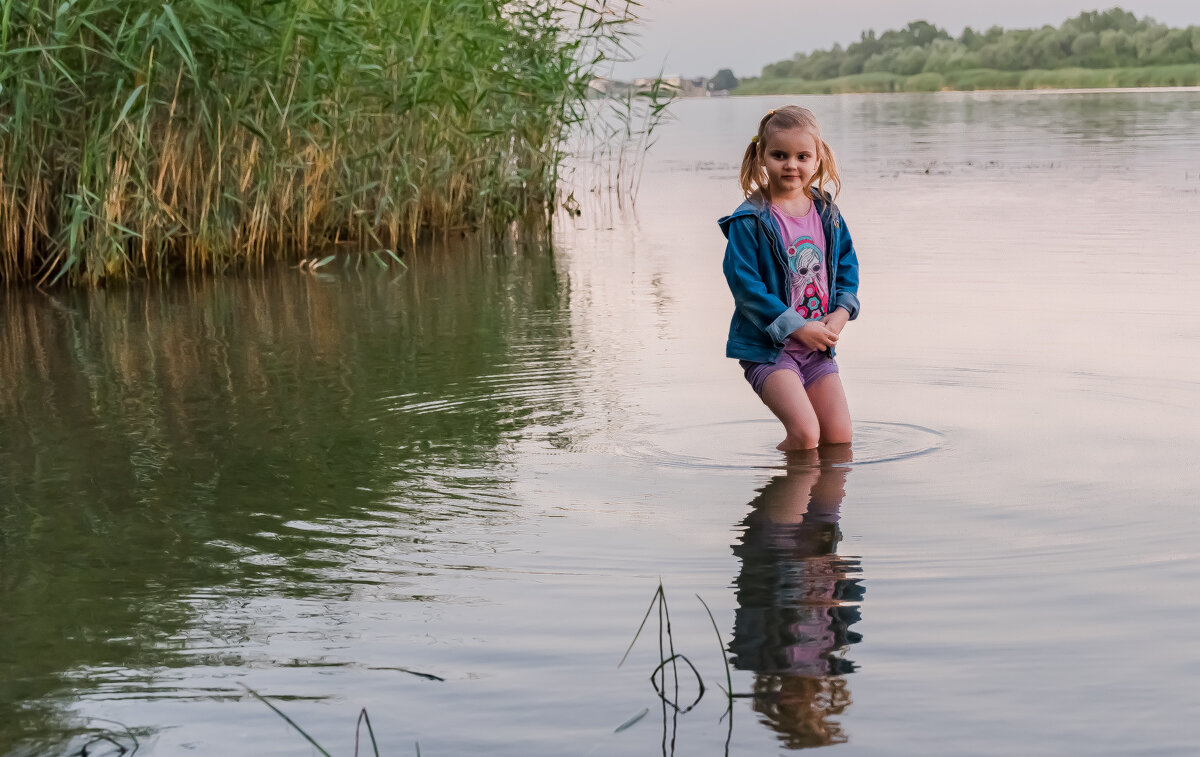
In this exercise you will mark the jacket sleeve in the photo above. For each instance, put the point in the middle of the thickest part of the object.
(751, 296)
(846, 283)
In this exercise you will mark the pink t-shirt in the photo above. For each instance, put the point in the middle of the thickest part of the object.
(804, 248)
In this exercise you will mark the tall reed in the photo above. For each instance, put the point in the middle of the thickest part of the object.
(139, 138)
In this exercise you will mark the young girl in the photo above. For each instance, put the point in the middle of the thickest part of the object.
(793, 273)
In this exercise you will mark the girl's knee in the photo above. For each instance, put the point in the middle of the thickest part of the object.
(838, 434)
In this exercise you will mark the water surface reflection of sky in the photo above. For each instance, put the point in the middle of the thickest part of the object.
(448, 496)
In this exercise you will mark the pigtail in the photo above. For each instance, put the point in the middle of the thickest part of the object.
(828, 172)
(750, 175)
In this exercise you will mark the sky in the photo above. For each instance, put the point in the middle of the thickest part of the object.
(698, 37)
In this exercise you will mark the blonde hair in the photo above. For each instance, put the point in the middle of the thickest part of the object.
(753, 175)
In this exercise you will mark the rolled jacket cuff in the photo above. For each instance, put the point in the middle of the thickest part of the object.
(849, 303)
(782, 327)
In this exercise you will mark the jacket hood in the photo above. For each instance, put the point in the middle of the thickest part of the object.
(755, 206)
(747, 208)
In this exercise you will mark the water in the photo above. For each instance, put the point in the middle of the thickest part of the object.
(450, 496)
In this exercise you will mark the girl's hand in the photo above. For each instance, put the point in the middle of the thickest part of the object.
(816, 335)
(837, 320)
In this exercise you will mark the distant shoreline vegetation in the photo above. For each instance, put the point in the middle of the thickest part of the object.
(1096, 49)
(981, 79)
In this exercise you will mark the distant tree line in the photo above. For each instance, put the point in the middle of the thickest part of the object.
(1093, 39)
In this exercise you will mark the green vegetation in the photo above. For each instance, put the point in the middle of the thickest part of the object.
(139, 138)
(724, 79)
(1111, 48)
(982, 78)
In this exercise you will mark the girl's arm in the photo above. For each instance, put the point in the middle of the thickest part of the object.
(750, 293)
(846, 282)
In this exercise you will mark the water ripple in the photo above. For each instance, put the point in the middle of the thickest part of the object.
(750, 444)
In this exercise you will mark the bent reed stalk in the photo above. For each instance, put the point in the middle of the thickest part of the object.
(139, 138)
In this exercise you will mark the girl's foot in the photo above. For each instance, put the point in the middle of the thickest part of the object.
(796, 444)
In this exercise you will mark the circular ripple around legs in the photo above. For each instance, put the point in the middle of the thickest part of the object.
(739, 445)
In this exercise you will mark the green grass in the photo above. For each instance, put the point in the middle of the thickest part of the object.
(141, 139)
(983, 78)
(873, 82)
(1184, 75)
(927, 82)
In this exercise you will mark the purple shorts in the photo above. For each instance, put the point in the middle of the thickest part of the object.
(809, 366)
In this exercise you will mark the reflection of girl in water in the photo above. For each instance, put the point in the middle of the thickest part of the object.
(801, 709)
(796, 603)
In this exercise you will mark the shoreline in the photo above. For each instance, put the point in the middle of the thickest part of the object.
(1034, 91)
(1177, 76)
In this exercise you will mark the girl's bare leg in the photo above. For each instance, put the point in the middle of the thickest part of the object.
(828, 401)
(783, 392)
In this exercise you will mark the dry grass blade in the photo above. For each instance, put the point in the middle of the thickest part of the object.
(289, 721)
(632, 721)
(363, 717)
(653, 601)
(673, 703)
(721, 644)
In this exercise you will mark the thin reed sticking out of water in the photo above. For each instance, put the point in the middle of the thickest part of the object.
(363, 717)
(668, 656)
(139, 138)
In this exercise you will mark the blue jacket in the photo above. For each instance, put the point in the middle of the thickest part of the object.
(756, 269)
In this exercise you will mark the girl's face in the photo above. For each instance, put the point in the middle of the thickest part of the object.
(790, 158)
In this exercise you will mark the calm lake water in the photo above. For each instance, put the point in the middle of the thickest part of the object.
(450, 495)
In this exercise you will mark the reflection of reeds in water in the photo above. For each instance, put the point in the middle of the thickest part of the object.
(171, 346)
(152, 437)
(797, 599)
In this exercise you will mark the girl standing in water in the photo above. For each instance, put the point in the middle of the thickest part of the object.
(793, 273)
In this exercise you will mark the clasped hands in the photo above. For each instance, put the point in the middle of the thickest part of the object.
(823, 334)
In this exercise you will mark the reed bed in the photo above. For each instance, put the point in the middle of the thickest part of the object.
(139, 139)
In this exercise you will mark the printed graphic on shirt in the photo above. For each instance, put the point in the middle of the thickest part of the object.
(807, 266)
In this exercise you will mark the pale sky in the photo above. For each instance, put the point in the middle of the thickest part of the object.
(697, 37)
